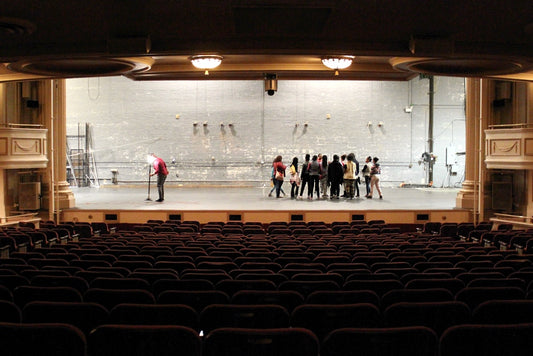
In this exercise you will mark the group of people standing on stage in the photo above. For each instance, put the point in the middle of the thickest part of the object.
(317, 173)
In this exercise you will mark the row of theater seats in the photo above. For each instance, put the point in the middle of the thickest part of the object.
(127, 340)
(401, 293)
(253, 309)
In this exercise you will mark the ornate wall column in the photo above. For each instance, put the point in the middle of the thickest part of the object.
(3, 179)
(466, 196)
(473, 195)
(53, 94)
(529, 176)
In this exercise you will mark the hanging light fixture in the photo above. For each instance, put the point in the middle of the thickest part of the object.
(337, 62)
(206, 62)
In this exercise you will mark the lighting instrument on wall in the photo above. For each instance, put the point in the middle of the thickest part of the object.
(206, 62)
(369, 124)
(380, 124)
(271, 83)
(328, 116)
(337, 62)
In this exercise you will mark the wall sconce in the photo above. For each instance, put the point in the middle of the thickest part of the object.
(306, 124)
(369, 124)
(177, 116)
(380, 124)
(205, 123)
(296, 124)
(230, 124)
(195, 124)
(408, 109)
(328, 116)
(221, 124)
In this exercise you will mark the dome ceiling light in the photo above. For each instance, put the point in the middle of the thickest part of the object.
(206, 62)
(337, 62)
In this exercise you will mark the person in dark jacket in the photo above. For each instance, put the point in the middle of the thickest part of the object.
(335, 177)
(304, 174)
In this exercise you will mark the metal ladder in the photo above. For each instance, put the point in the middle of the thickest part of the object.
(71, 175)
(81, 161)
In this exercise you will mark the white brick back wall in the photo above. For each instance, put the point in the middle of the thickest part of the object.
(131, 119)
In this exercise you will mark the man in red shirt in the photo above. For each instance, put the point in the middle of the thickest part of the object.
(161, 170)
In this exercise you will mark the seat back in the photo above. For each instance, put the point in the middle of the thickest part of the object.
(435, 315)
(111, 297)
(504, 312)
(42, 340)
(262, 316)
(24, 294)
(408, 341)
(85, 316)
(473, 296)
(197, 300)
(9, 312)
(487, 340)
(154, 314)
(264, 342)
(287, 299)
(322, 318)
(143, 340)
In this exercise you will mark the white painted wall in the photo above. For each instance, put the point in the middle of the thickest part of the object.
(131, 119)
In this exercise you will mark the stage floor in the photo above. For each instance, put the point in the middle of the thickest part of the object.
(255, 198)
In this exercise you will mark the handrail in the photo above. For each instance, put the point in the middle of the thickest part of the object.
(27, 126)
(19, 217)
(500, 126)
(513, 216)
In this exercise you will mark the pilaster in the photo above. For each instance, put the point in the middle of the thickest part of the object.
(53, 94)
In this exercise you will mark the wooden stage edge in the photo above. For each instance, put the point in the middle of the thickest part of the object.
(128, 216)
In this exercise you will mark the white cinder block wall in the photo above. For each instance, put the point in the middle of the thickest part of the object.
(131, 119)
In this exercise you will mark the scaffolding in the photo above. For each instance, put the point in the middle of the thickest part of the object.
(81, 164)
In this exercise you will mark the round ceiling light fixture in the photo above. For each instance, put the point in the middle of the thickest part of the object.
(337, 62)
(206, 62)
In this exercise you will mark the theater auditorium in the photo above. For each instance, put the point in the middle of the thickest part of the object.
(439, 263)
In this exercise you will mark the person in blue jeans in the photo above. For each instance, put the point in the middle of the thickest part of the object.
(279, 174)
(272, 178)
